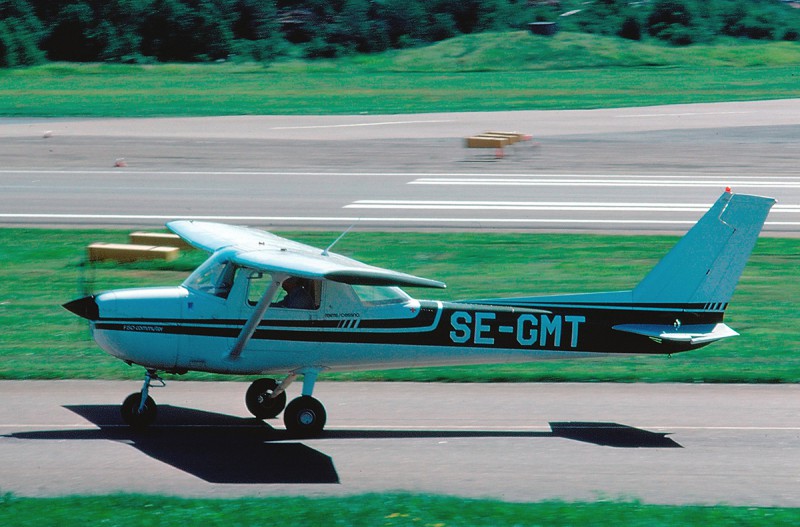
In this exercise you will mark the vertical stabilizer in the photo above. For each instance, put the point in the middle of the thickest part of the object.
(705, 266)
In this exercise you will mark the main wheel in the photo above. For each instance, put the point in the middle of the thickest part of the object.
(305, 417)
(132, 415)
(260, 403)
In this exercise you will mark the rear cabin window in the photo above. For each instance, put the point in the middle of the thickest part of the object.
(380, 295)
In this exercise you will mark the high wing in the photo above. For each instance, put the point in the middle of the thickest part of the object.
(267, 252)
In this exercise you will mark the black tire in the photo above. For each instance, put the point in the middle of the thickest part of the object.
(258, 401)
(131, 414)
(305, 417)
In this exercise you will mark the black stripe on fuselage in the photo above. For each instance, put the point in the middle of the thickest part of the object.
(673, 308)
(540, 327)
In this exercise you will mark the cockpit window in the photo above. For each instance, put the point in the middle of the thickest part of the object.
(214, 277)
(296, 293)
(257, 284)
(380, 295)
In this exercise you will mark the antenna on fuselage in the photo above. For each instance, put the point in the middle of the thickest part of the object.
(329, 247)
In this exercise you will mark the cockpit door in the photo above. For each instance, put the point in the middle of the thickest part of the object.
(211, 315)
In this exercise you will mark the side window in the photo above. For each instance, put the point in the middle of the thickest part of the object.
(257, 284)
(296, 293)
(380, 295)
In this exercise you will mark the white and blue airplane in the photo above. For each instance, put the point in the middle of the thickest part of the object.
(265, 305)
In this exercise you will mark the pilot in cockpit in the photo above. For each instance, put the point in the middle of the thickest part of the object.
(298, 294)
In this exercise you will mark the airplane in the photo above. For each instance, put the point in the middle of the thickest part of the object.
(233, 314)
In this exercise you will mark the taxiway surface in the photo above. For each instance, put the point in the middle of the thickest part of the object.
(661, 443)
(628, 169)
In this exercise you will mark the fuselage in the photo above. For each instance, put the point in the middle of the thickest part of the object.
(183, 328)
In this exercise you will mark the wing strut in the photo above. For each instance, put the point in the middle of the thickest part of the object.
(255, 319)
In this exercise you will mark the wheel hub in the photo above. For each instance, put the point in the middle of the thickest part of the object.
(306, 417)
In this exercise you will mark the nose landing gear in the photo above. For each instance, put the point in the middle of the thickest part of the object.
(139, 409)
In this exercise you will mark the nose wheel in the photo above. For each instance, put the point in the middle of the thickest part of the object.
(139, 410)
(138, 415)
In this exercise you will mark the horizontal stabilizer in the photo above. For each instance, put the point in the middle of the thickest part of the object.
(690, 333)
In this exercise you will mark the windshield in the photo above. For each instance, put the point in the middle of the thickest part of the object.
(380, 295)
(214, 277)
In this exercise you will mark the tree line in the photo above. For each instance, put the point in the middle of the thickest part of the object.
(143, 31)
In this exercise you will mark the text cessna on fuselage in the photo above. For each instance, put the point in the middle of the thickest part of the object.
(530, 330)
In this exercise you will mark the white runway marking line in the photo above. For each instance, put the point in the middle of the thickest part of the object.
(359, 219)
(604, 181)
(432, 177)
(684, 114)
(356, 125)
(542, 206)
(391, 427)
(546, 428)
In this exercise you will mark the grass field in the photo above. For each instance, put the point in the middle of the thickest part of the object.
(41, 269)
(494, 71)
(370, 510)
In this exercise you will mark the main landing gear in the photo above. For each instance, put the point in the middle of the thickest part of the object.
(303, 417)
(265, 399)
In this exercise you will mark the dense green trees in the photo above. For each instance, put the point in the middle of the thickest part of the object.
(32, 31)
(21, 33)
(684, 22)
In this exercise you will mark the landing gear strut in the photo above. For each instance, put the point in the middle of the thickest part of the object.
(139, 409)
(303, 417)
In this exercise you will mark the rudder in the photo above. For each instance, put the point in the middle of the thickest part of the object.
(705, 265)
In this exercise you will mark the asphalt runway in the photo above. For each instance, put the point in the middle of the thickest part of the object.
(661, 443)
(619, 170)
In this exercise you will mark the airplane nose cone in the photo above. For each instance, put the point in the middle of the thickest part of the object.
(85, 307)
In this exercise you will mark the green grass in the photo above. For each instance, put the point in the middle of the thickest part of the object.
(521, 51)
(491, 71)
(40, 269)
(370, 510)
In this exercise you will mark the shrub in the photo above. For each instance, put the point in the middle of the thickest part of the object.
(671, 21)
(630, 29)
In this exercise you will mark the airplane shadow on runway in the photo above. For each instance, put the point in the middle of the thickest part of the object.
(214, 447)
(603, 434)
(221, 448)
(612, 434)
